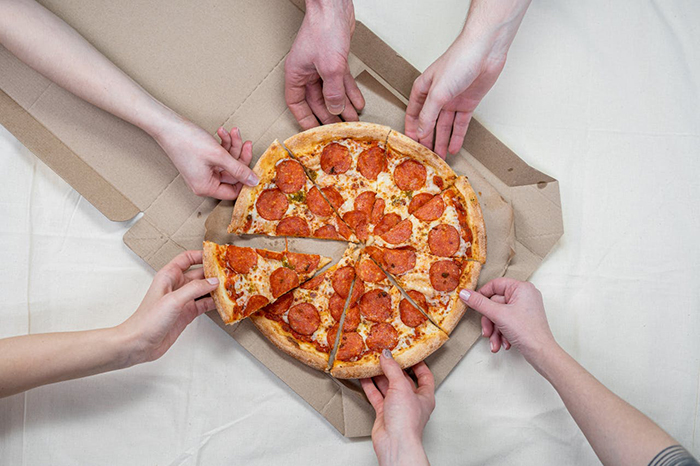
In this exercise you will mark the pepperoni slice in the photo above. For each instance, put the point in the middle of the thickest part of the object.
(444, 275)
(351, 345)
(283, 280)
(292, 226)
(372, 162)
(375, 305)
(344, 231)
(326, 232)
(399, 233)
(431, 210)
(273, 255)
(368, 271)
(333, 196)
(317, 204)
(352, 319)
(439, 182)
(303, 263)
(254, 303)
(272, 204)
(304, 318)
(418, 201)
(241, 260)
(410, 175)
(365, 202)
(398, 261)
(382, 336)
(388, 222)
(290, 176)
(336, 305)
(357, 291)
(342, 280)
(410, 315)
(335, 159)
(443, 240)
(314, 282)
(357, 220)
(280, 306)
(377, 211)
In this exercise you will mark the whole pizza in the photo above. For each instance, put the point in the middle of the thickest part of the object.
(415, 237)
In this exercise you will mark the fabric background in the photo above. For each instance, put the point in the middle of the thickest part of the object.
(603, 96)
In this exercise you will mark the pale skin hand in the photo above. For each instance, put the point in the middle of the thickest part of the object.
(402, 410)
(618, 433)
(444, 97)
(170, 304)
(50, 46)
(318, 86)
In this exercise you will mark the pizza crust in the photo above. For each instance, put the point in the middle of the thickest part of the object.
(468, 280)
(408, 147)
(210, 262)
(265, 168)
(308, 141)
(274, 333)
(474, 217)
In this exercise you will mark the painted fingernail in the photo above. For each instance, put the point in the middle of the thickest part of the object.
(213, 280)
(387, 353)
(464, 295)
(483, 332)
(493, 346)
(252, 180)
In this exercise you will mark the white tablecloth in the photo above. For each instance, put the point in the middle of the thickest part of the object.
(604, 96)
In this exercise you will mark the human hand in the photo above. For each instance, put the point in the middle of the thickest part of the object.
(444, 97)
(318, 85)
(402, 411)
(512, 313)
(209, 168)
(169, 306)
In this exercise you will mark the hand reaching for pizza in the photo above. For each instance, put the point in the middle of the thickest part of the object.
(513, 313)
(209, 168)
(170, 305)
(402, 411)
(318, 84)
(444, 97)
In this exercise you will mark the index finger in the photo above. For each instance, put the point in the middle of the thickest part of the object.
(419, 92)
(497, 286)
(426, 381)
(187, 259)
(295, 96)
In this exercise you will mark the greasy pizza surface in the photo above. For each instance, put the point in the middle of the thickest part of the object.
(416, 237)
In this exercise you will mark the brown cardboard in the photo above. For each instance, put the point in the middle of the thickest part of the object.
(122, 171)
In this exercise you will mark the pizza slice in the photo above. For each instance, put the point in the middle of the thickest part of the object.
(381, 318)
(447, 224)
(251, 278)
(299, 321)
(432, 282)
(344, 160)
(285, 202)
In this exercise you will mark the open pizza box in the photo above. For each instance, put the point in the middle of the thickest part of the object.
(176, 54)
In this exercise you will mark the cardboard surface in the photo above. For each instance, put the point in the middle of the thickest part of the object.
(121, 171)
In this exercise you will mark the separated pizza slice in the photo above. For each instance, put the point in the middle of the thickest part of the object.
(299, 321)
(432, 282)
(251, 278)
(447, 224)
(345, 160)
(378, 317)
(285, 202)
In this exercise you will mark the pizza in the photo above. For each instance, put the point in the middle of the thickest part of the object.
(251, 278)
(415, 235)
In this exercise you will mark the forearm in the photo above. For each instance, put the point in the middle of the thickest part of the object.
(50, 46)
(405, 451)
(618, 433)
(494, 22)
(34, 360)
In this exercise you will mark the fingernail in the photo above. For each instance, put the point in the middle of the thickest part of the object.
(252, 180)
(387, 353)
(464, 295)
(238, 130)
(336, 109)
(420, 132)
(213, 280)
(493, 347)
(504, 345)
(483, 332)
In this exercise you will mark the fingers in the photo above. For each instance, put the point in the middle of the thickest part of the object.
(443, 131)
(382, 384)
(481, 304)
(419, 92)
(194, 289)
(236, 143)
(353, 92)
(497, 286)
(227, 192)
(495, 341)
(186, 259)
(429, 114)
(486, 327)
(459, 131)
(349, 114)
(392, 370)
(373, 394)
(194, 274)
(506, 343)
(246, 153)
(314, 96)
(203, 305)
(426, 381)
(239, 170)
(334, 88)
(225, 138)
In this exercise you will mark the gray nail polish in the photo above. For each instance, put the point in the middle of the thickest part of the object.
(387, 354)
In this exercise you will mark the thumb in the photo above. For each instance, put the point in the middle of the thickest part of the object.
(194, 290)
(238, 170)
(391, 369)
(334, 89)
(481, 304)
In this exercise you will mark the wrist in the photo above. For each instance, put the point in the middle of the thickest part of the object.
(493, 23)
(130, 352)
(545, 358)
(331, 11)
(408, 450)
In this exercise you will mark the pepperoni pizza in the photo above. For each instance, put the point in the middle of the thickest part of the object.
(416, 237)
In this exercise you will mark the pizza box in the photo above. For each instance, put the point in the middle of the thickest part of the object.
(124, 173)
